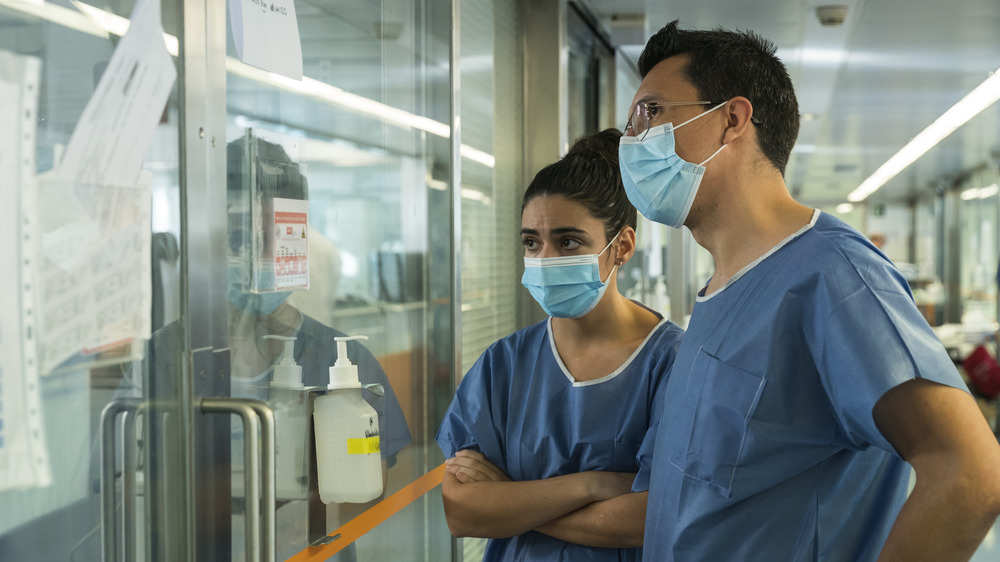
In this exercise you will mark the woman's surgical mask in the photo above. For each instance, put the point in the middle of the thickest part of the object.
(661, 184)
(567, 286)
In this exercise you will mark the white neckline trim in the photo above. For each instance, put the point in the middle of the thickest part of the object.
(751, 265)
(615, 373)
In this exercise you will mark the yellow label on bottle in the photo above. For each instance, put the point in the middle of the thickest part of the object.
(363, 446)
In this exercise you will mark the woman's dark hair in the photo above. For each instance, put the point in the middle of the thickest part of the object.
(589, 175)
(725, 64)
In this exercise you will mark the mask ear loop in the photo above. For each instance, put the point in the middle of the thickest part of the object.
(613, 269)
(610, 243)
(713, 155)
(700, 115)
(616, 257)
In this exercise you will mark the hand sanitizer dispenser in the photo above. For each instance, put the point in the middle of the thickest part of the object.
(348, 456)
(288, 401)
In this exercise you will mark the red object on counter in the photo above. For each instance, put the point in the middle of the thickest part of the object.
(983, 371)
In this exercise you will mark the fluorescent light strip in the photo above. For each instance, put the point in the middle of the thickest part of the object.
(117, 25)
(65, 17)
(985, 95)
(101, 22)
(980, 192)
(336, 96)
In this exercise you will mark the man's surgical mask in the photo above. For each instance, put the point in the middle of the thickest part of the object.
(567, 286)
(258, 304)
(661, 184)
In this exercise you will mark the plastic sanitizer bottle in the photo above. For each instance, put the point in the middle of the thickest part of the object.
(288, 401)
(348, 457)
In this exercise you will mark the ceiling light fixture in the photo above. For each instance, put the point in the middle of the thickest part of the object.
(980, 192)
(985, 95)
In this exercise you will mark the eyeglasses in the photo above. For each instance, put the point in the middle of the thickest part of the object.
(645, 112)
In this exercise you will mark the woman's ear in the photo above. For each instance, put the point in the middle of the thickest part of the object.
(625, 246)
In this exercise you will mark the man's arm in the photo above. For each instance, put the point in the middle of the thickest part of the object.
(615, 523)
(493, 506)
(940, 431)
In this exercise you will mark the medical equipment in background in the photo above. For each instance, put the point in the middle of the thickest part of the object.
(983, 372)
(289, 401)
(348, 455)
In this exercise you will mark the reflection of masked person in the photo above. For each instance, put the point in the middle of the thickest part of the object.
(255, 315)
(258, 304)
(275, 176)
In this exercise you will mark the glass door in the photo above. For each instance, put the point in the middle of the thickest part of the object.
(93, 404)
(186, 230)
(340, 220)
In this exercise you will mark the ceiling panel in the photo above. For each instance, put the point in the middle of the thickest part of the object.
(867, 87)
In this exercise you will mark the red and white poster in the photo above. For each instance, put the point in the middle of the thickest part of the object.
(291, 247)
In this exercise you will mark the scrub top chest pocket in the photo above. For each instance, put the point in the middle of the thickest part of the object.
(716, 408)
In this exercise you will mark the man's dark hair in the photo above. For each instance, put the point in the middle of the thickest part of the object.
(589, 174)
(724, 64)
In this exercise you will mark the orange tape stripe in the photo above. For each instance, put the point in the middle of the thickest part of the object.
(373, 517)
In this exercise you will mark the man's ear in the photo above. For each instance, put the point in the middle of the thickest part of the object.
(738, 112)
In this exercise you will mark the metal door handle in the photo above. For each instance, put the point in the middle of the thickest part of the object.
(109, 521)
(258, 427)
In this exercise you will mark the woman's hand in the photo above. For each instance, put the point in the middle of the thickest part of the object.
(481, 500)
(472, 466)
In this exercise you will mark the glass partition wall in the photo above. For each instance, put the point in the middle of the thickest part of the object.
(272, 215)
(980, 215)
(93, 463)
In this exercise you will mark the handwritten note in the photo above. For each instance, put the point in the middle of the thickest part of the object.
(266, 34)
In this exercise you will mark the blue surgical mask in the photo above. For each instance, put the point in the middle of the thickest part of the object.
(258, 304)
(567, 286)
(661, 184)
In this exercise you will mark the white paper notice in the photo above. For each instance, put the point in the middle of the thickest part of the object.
(94, 274)
(23, 453)
(291, 247)
(111, 139)
(266, 34)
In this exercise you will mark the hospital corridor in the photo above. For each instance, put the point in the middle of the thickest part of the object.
(463, 280)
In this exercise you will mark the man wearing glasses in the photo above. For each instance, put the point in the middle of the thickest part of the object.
(807, 379)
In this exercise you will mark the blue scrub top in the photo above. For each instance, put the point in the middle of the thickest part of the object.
(767, 449)
(521, 408)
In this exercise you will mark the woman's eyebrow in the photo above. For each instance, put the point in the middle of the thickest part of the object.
(560, 230)
(568, 230)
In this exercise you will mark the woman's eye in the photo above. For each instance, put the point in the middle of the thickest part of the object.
(528, 243)
(570, 244)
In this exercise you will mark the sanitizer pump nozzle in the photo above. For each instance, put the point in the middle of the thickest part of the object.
(344, 374)
(287, 373)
